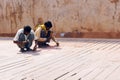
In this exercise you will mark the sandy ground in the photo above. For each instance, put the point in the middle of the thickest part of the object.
(74, 59)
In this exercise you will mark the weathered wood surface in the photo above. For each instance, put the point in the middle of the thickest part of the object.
(75, 59)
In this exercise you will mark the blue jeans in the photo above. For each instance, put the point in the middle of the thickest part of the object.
(29, 43)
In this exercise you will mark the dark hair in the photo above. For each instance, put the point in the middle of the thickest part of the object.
(27, 29)
(48, 24)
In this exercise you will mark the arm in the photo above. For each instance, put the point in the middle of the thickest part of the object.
(37, 34)
(38, 38)
(53, 38)
(18, 42)
(57, 43)
(16, 38)
(35, 47)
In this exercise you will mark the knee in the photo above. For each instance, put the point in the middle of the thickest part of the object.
(31, 37)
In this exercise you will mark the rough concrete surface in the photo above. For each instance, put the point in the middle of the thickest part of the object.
(74, 59)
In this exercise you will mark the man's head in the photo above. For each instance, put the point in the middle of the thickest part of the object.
(48, 25)
(40, 20)
(27, 30)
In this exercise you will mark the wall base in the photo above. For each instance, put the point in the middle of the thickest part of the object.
(78, 35)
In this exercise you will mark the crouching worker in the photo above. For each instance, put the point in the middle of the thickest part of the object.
(24, 38)
(44, 35)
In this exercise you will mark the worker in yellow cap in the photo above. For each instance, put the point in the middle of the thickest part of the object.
(44, 35)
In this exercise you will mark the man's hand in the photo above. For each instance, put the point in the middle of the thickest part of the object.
(20, 42)
(57, 43)
(35, 47)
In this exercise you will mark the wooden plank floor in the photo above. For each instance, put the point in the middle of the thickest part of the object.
(75, 59)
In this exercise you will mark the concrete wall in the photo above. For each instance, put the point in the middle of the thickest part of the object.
(69, 16)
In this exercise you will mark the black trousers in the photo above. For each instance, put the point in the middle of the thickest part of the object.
(44, 35)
